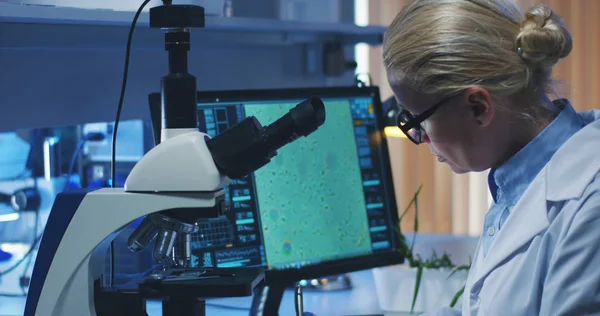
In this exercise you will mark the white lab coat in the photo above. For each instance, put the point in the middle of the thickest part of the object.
(546, 258)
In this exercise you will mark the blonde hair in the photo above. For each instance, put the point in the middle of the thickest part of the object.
(442, 47)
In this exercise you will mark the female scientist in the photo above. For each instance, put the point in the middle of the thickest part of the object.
(473, 78)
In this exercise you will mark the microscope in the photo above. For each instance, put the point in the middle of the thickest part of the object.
(178, 181)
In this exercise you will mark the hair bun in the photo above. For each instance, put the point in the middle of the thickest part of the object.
(543, 38)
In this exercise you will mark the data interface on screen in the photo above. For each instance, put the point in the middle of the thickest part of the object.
(322, 198)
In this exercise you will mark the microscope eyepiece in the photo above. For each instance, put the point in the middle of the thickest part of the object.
(247, 146)
(302, 120)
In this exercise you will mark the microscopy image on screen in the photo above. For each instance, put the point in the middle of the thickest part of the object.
(310, 196)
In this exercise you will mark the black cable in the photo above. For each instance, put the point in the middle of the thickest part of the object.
(123, 88)
(113, 160)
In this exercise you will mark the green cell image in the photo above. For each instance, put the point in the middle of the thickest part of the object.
(310, 196)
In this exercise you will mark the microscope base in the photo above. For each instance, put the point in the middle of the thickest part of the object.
(181, 290)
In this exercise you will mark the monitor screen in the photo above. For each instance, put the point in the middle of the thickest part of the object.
(325, 198)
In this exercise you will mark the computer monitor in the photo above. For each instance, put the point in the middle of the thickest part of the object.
(324, 205)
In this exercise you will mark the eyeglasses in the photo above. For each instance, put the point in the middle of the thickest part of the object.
(411, 125)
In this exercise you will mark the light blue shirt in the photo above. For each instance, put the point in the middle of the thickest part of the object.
(509, 181)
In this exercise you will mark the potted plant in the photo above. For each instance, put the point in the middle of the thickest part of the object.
(436, 272)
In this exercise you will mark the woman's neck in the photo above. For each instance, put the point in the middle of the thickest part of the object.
(522, 131)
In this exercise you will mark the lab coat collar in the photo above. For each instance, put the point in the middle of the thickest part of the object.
(566, 176)
(576, 163)
(509, 181)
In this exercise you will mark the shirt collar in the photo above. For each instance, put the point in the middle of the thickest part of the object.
(509, 181)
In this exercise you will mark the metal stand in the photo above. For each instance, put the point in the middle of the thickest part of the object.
(117, 303)
(267, 299)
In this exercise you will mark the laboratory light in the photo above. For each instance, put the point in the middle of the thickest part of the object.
(9, 217)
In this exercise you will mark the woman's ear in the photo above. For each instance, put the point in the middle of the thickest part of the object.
(480, 105)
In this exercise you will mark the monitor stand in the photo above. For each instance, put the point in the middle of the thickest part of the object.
(267, 299)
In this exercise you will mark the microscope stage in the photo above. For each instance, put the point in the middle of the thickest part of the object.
(202, 283)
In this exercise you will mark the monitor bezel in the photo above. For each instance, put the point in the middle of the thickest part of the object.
(332, 267)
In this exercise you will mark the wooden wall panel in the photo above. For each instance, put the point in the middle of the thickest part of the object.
(427, 212)
(594, 38)
(442, 198)
(405, 176)
(460, 204)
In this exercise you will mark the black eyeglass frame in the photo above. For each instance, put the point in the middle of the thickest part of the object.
(415, 121)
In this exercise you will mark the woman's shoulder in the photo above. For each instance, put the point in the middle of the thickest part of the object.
(575, 165)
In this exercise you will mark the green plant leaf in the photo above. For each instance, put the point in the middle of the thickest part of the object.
(445, 261)
(412, 201)
(457, 296)
(416, 224)
(417, 284)
(415, 260)
(459, 268)
(396, 228)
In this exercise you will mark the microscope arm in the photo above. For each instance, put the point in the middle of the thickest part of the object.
(182, 164)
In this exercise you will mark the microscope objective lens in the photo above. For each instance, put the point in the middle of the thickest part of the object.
(142, 235)
(165, 240)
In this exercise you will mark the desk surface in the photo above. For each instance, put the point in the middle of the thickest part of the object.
(361, 300)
